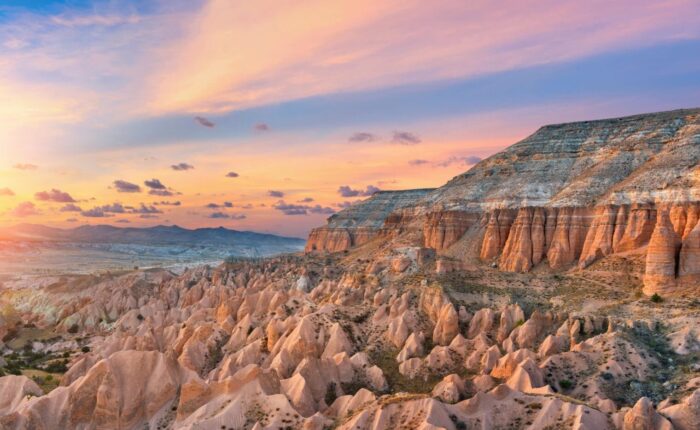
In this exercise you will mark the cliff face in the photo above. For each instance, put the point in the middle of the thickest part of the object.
(362, 222)
(566, 196)
(642, 158)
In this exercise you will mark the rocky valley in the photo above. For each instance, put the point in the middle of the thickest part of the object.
(554, 285)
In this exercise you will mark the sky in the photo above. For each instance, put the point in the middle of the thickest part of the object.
(272, 115)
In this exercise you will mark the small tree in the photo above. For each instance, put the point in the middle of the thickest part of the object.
(565, 384)
(330, 394)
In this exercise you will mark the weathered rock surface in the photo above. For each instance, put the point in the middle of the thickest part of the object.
(568, 195)
(362, 223)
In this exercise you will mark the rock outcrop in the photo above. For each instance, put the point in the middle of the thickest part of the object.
(568, 196)
(362, 223)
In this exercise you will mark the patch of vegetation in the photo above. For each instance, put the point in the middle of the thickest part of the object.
(386, 360)
(353, 386)
(331, 394)
(459, 424)
(566, 384)
(35, 363)
(656, 298)
(214, 355)
(45, 380)
(58, 366)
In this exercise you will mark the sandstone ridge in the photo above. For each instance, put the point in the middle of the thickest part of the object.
(566, 196)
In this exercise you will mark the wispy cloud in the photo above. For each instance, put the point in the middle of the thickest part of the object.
(347, 191)
(96, 213)
(454, 159)
(126, 187)
(161, 193)
(182, 166)
(274, 193)
(105, 211)
(94, 20)
(154, 184)
(146, 209)
(24, 209)
(363, 137)
(217, 205)
(232, 175)
(6, 192)
(54, 195)
(262, 127)
(405, 138)
(25, 166)
(224, 215)
(70, 207)
(157, 188)
(204, 122)
(295, 209)
(418, 162)
(379, 49)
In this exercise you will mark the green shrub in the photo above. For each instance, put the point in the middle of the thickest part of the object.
(330, 394)
(565, 384)
(656, 298)
(57, 366)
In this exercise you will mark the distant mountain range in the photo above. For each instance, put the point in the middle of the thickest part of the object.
(158, 235)
(31, 248)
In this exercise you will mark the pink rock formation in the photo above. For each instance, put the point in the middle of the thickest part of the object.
(600, 236)
(14, 390)
(518, 251)
(447, 325)
(444, 228)
(643, 416)
(662, 256)
(685, 415)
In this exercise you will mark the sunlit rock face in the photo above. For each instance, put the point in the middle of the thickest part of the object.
(567, 196)
(362, 223)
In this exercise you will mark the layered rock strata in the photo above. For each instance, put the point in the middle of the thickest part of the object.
(364, 222)
(568, 195)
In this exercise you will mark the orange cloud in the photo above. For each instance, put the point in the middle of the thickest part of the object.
(282, 50)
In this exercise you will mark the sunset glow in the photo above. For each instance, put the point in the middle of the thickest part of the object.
(134, 113)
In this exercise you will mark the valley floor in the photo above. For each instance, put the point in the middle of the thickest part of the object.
(349, 342)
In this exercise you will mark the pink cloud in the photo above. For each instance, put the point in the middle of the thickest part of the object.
(351, 45)
(54, 195)
(24, 209)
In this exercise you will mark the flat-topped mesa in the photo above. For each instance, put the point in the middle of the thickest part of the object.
(565, 196)
(361, 222)
(642, 158)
